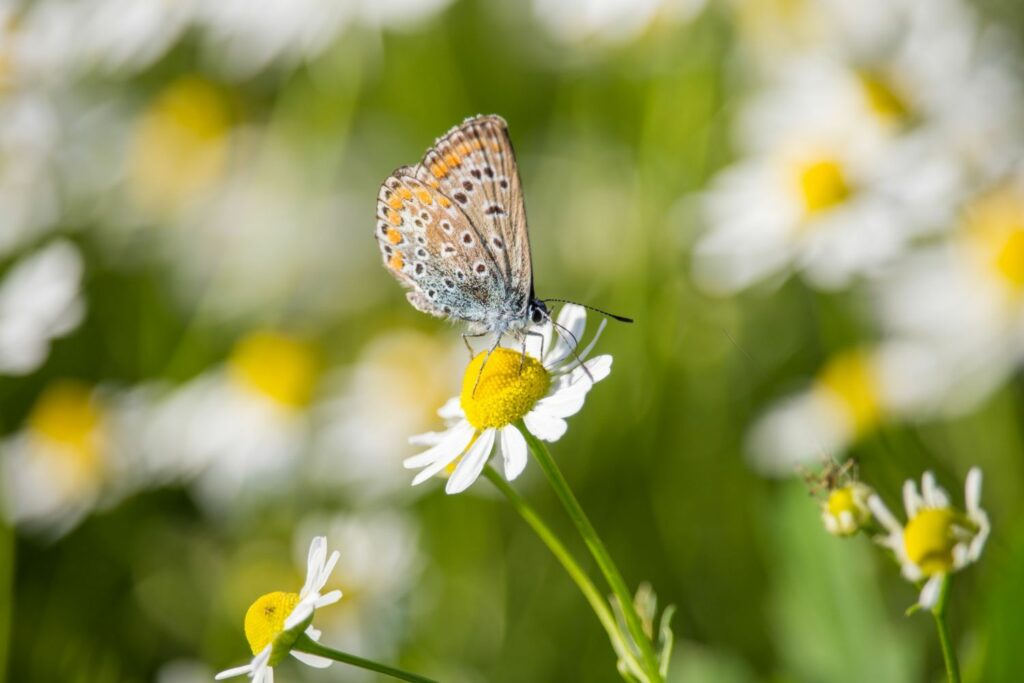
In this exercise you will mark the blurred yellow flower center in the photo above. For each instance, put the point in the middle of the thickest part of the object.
(507, 388)
(277, 366)
(842, 500)
(850, 378)
(265, 618)
(180, 144)
(996, 222)
(822, 185)
(882, 98)
(67, 414)
(929, 539)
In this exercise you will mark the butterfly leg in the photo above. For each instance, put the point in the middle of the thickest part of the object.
(484, 364)
(466, 338)
(522, 361)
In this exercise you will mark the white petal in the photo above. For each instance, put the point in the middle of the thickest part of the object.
(972, 491)
(469, 468)
(314, 561)
(597, 335)
(513, 451)
(978, 542)
(930, 592)
(427, 438)
(450, 447)
(454, 449)
(328, 599)
(885, 518)
(910, 571)
(565, 402)
(451, 410)
(545, 427)
(231, 673)
(299, 614)
(325, 571)
(934, 496)
(911, 500)
(268, 675)
(315, 661)
(572, 323)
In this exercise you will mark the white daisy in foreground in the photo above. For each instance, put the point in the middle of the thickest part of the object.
(512, 387)
(276, 620)
(938, 539)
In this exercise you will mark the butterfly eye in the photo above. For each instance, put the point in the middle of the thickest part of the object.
(536, 317)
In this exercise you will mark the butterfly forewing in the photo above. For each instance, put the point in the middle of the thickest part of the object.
(453, 229)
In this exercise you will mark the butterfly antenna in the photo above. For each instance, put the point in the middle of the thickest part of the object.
(572, 346)
(620, 318)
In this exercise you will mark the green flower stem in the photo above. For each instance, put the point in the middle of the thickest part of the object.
(6, 592)
(576, 573)
(597, 549)
(942, 624)
(306, 644)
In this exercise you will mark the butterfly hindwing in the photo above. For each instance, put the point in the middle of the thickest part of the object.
(430, 245)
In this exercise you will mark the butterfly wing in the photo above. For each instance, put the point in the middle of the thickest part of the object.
(453, 229)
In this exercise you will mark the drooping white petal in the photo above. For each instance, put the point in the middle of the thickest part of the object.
(451, 410)
(445, 453)
(980, 518)
(451, 446)
(302, 611)
(972, 491)
(328, 599)
(545, 427)
(564, 402)
(472, 464)
(884, 517)
(513, 451)
(930, 591)
(315, 661)
(231, 673)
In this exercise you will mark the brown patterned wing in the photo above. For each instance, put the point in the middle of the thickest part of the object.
(475, 166)
(431, 247)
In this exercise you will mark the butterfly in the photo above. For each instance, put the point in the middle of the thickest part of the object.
(452, 229)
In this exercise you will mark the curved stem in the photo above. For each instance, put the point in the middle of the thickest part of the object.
(306, 644)
(945, 640)
(597, 549)
(576, 573)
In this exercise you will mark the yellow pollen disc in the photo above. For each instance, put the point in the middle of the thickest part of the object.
(850, 378)
(929, 539)
(396, 262)
(394, 236)
(277, 366)
(882, 98)
(265, 618)
(822, 185)
(68, 414)
(424, 197)
(508, 388)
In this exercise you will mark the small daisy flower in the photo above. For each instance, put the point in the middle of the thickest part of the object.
(276, 620)
(511, 387)
(938, 539)
(846, 510)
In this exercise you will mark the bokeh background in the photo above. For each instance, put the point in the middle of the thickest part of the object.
(813, 208)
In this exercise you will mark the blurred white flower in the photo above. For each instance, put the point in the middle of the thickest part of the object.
(54, 469)
(273, 622)
(825, 192)
(378, 569)
(960, 304)
(392, 390)
(236, 429)
(40, 300)
(938, 539)
(609, 21)
(846, 511)
(853, 393)
(500, 390)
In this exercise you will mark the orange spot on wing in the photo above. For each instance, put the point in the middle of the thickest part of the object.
(394, 217)
(404, 193)
(495, 146)
(434, 184)
(444, 201)
(463, 149)
(394, 236)
(452, 159)
(395, 202)
(396, 262)
(477, 145)
(424, 197)
(439, 170)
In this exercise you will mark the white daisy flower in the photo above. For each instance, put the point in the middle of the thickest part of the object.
(512, 387)
(938, 539)
(275, 620)
(40, 300)
(609, 21)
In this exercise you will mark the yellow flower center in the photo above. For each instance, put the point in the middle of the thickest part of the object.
(850, 378)
(929, 539)
(505, 390)
(822, 184)
(264, 620)
(842, 500)
(882, 98)
(180, 144)
(277, 366)
(68, 415)
(996, 225)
